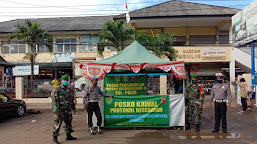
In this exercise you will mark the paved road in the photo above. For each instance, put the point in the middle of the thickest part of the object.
(242, 130)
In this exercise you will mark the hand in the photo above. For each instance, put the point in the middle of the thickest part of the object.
(210, 104)
(228, 105)
(85, 108)
(111, 96)
(75, 111)
(75, 102)
(200, 106)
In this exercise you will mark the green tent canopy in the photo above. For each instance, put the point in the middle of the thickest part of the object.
(134, 58)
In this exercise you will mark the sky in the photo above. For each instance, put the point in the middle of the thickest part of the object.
(20, 9)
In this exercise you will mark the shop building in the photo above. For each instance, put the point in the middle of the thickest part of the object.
(73, 38)
(202, 34)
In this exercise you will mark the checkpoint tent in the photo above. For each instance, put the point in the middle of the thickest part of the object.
(134, 58)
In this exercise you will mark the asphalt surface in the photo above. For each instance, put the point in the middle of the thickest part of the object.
(37, 129)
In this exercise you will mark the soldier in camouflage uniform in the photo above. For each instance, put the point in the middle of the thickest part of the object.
(194, 103)
(63, 101)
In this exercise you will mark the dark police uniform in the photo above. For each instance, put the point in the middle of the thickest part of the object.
(221, 96)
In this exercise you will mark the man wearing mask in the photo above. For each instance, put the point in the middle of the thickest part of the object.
(90, 101)
(221, 96)
(194, 103)
(63, 102)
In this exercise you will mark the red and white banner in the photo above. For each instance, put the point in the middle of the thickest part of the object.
(99, 70)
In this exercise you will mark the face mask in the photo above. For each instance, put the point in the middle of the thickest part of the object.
(65, 83)
(194, 81)
(95, 83)
(219, 81)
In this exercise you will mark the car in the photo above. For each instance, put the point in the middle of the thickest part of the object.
(10, 106)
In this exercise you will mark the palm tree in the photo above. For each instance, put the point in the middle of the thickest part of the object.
(159, 44)
(34, 35)
(116, 34)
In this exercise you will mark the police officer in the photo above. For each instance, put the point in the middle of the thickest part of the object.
(194, 102)
(63, 102)
(221, 96)
(90, 101)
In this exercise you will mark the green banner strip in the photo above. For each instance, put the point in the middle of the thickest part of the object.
(136, 111)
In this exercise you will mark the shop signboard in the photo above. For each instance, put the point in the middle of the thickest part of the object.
(214, 53)
(244, 25)
(205, 69)
(136, 111)
(64, 57)
(126, 85)
(25, 70)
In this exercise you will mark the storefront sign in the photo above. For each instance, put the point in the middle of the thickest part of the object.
(64, 57)
(214, 53)
(244, 23)
(136, 111)
(191, 54)
(25, 70)
(125, 85)
(205, 69)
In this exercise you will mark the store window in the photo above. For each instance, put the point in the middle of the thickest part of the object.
(204, 39)
(223, 39)
(66, 45)
(42, 49)
(88, 43)
(14, 47)
(179, 41)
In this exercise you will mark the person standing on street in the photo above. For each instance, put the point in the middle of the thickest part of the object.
(63, 106)
(90, 101)
(194, 102)
(243, 93)
(55, 82)
(221, 96)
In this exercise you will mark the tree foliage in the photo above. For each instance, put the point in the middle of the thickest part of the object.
(117, 34)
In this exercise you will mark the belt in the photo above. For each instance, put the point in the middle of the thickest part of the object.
(93, 100)
(221, 101)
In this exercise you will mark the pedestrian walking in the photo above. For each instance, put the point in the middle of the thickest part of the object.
(221, 96)
(63, 101)
(243, 93)
(90, 101)
(194, 102)
(55, 82)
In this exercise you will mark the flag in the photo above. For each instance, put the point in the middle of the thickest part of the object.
(127, 13)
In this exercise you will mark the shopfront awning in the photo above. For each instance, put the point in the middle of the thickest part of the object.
(134, 58)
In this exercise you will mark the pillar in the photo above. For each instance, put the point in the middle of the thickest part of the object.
(19, 87)
(232, 74)
(163, 85)
(230, 32)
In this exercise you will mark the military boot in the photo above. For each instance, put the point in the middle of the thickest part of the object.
(99, 130)
(55, 140)
(91, 131)
(188, 127)
(69, 137)
(197, 128)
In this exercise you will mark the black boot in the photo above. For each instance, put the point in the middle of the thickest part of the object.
(215, 130)
(225, 130)
(197, 128)
(55, 140)
(188, 127)
(69, 137)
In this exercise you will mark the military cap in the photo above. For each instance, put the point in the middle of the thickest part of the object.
(194, 76)
(65, 77)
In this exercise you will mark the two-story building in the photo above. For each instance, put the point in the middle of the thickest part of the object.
(73, 38)
(202, 34)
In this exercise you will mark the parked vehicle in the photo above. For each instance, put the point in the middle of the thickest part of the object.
(10, 106)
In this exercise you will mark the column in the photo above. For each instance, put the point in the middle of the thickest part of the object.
(163, 85)
(19, 87)
(232, 74)
(230, 32)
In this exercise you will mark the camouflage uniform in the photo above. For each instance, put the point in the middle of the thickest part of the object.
(194, 99)
(63, 101)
